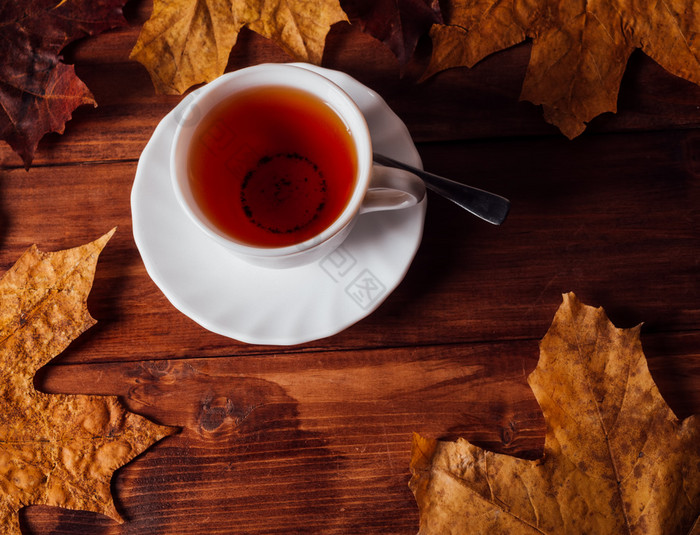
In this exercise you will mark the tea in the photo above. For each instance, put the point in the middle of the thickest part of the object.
(272, 166)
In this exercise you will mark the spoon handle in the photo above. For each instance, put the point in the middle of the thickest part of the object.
(487, 206)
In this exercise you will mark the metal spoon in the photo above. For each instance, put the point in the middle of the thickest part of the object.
(487, 206)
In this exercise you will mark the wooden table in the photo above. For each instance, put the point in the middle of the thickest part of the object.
(316, 438)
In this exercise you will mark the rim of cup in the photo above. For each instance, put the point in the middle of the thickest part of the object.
(278, 75)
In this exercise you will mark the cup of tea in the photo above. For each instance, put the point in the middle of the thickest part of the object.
(274, 163)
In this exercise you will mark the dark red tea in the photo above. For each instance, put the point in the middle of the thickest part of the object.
(272, 166)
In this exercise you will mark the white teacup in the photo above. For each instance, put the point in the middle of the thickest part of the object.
(372, 187)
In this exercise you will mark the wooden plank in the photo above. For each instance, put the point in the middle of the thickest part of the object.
(612, 218)
(477, 103)
(318, 441)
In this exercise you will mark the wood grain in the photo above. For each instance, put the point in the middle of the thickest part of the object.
(316, 438)
(585, 217)
(321, 441)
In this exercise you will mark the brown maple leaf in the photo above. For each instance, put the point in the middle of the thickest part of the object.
(38, 93)
(399, 24)
(616, 459)
(56, 450)
(579, 49)
(186, 42)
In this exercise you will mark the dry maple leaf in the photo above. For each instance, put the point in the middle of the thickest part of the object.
(186, 42)
(38, 93)
(579, 49)
(56, 450)
(399, 24)
(616, 459)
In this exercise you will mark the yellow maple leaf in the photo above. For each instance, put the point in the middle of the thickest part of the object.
(56, 449)
(616, 459)
(579, 49)
(186, 42)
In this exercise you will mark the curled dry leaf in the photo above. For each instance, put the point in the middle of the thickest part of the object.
(579, 49)
(616, 459)
(56, 450)
(38, 92)
(186, 42)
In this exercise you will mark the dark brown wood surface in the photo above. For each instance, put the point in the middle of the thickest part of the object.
(316, 438)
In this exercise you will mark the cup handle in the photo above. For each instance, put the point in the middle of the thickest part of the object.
(392, 189)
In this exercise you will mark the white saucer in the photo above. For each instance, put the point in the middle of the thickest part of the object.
(270, 306)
